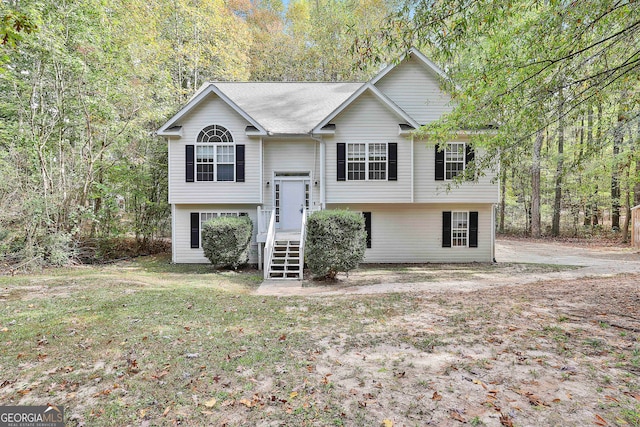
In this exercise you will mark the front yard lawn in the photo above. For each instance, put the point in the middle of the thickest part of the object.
(149, 343)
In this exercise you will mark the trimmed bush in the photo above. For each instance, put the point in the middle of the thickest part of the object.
(336, 241)
(225, 240)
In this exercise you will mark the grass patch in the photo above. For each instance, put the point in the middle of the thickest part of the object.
(146, 342)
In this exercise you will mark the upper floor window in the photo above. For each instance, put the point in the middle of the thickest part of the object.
(366, 161)
(215, 134)
(215, 154)
(454, 159)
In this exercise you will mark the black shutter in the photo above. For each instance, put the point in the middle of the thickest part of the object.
(240, 163)
(393, 161)
(446, 229)
(469, 157)
(439, 164)
(473, 229)
(367, 227)
(190, 158)
(342, 161)
(195, 230)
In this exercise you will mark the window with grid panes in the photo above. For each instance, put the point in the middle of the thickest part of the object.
(459, 229)
(215, 154)
(366, 161)
(454, 159)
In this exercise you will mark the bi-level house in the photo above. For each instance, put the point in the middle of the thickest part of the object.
(277, 151)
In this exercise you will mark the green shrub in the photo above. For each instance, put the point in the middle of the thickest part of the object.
(336, 241)
(225, 240)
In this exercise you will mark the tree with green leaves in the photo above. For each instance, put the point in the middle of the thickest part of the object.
(526, 67)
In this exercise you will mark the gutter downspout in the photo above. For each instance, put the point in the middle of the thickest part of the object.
(493, 232)
(413, 189)
(322, 169)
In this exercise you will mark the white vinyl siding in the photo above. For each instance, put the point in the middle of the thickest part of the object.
(367, 119)
(416, 89)
(413, 233)
(427, 189)
(214, 111)
(181, 239)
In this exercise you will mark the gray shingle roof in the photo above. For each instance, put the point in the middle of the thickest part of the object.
(287, 107)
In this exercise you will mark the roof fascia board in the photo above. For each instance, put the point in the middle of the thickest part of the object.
(168, 134)
(367, 86)
(199, 98)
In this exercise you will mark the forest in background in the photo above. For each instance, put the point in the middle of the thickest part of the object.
(84, 84)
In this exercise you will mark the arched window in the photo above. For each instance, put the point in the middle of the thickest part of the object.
(215, 154)
(215, 134)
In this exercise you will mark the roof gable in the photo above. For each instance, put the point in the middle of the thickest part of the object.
(196, 100)
(415, 84)
(413, 53)
(367, 87)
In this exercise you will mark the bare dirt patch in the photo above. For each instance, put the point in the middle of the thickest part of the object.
(555, 353)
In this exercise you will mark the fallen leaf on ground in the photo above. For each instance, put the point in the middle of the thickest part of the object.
(293, 394)
(210, 403)
(456, 416)
(634, 395)
(601, 421)
(246, 402)
(387, 423)
(505, 420)
(480, 383)
(535, 400)
(436, 396)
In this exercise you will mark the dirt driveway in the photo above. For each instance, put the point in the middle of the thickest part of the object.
(514, 260)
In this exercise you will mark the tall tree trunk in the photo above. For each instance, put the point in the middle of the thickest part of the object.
(503, 196)
(588, 209)
(627, 210)
(594, 206)
(535, 185)
(636, 186)
(557, 202)
(618, 137)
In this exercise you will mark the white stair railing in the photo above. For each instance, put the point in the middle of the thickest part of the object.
(269, 244)
(264, 216)
(303, 236)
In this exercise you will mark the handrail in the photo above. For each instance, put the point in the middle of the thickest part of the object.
(269, 244)
(303, 235)
(263, 219)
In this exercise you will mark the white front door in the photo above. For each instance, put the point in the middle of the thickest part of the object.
(292, 201)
